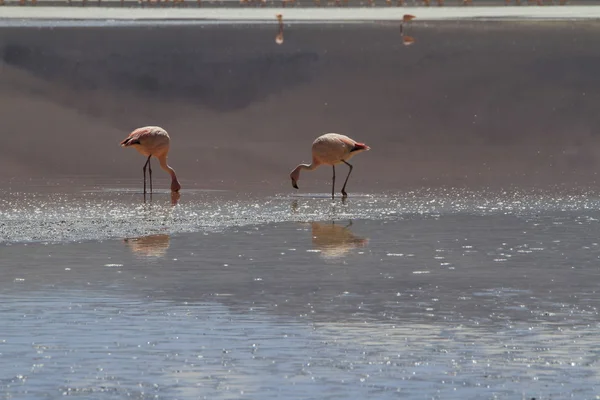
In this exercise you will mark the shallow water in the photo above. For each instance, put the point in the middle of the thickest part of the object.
(47, 213)
(420, 295)
(463, 265)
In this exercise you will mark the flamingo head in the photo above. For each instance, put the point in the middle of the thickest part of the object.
(295, 175)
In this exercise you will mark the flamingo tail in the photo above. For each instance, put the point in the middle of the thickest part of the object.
(360, 146)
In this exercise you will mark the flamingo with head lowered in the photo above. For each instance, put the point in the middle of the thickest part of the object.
(153, 141)
(331, 149)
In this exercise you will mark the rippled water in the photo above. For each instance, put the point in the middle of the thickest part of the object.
(102, 213)
(473, 290)
(422, 294)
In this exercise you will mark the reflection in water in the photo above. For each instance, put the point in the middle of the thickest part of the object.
(406, 39)
(334, 241)
(464, 330)
(149, 246)
(279, 36)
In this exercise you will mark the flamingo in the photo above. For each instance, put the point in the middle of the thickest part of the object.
(153, 141)
(406, 18)
(331, 149)
(279, 36)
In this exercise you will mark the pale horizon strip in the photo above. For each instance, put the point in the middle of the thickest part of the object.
(321, 15)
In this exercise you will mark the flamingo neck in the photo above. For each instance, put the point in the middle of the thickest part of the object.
(175, 186)
(295, 175)
(308, 167)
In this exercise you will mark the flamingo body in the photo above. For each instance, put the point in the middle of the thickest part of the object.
(153, 141)
(331, 149)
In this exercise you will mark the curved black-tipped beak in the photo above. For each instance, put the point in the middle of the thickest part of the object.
(294, 184)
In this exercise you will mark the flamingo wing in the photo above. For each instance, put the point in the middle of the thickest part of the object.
(359, 146)
(135, 136)
(351, 144)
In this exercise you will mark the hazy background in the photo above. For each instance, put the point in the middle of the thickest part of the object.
(470, 103)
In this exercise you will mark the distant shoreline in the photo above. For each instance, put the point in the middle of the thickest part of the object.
(298, 14)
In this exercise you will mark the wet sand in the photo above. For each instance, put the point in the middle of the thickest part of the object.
(463, 265)
(243, 111)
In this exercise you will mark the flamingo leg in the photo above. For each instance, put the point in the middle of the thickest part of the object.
(333, 184)
(150, 173)
(144, 169)
(346, 181)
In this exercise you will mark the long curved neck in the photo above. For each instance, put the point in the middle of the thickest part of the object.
(163, 164)
(308, 167)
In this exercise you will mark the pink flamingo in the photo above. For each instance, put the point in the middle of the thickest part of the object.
(152, 141)
(331, 149)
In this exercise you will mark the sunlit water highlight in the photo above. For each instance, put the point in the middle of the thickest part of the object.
(448, 293)
(113, 213)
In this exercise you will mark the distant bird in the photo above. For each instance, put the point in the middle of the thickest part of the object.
(406, 18)
(406, 39)
(152, 141)
(279, 36)
(331, 149)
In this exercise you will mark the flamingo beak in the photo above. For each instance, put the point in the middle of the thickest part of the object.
(294, 184)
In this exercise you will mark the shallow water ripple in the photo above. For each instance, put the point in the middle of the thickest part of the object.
(140, 349)
(437, 294)
(103, 214)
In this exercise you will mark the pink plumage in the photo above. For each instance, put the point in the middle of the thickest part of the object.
(331, 149)
(153, 141)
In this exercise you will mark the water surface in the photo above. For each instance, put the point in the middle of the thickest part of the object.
(463, 265)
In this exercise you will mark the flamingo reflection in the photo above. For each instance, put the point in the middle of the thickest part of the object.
(279, 36)
(335, 241)
(152, 246)
(407, 40)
